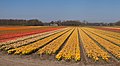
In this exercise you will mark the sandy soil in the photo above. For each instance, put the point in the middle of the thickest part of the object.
(36, 60)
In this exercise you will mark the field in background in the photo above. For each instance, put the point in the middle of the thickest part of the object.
(10, 33)
(89, 45)
(115, 29)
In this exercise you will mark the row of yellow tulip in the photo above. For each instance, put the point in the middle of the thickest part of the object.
(36, 45)
(53, 46)
(108, 33)
(92, 49)
(97, 32)
(29, 39)
(71, 50)
(113, 49)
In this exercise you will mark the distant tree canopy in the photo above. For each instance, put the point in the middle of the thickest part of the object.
(71, 23)
(33, 22)
(117, 23)
(79, 23)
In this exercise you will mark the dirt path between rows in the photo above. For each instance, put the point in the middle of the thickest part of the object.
(17, 60)
(35, 60)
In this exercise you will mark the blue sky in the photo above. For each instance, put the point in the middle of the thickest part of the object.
(48, 10)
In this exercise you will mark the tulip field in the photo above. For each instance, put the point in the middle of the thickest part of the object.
(64, 43)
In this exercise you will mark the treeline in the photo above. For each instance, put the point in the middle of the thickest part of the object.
(84, 23)
(117, 23)
(66, 23)
(33, 22)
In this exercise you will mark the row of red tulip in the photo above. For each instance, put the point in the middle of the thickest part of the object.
(36, 45)
(27, 39)
(7, 37)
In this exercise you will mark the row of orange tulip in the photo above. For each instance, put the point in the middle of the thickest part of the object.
(29, 37)
(26, 40)
(36, 45)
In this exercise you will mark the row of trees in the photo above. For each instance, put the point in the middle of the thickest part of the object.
(67, 23)
(84, 23)
(33, 22)
(117, 23)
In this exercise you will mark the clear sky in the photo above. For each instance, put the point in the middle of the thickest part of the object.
(48, 10)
